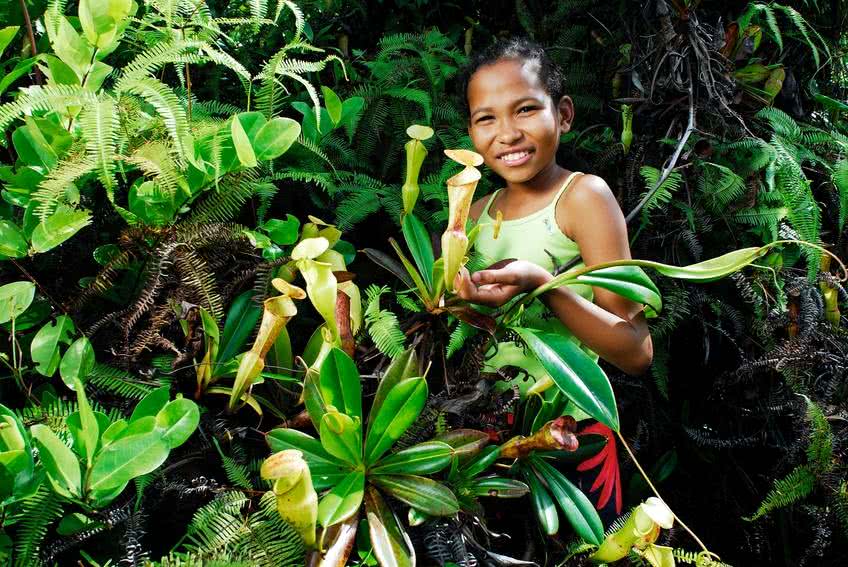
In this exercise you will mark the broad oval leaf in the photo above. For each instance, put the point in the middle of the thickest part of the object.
(401, 408)
(242, 318)
(333, 104)
(465, 442)
(390, 544)
(13, 244)
(275, 138)
(15, 298)
(45, 345)
(177, 421)
(341, 436)
(576, 506)
(60, 464)
(343, 501)
(77, 362)
(403, 366)
(627, 281)
(420, 492)
(152, 403)
(326, 470)
(424, 458)
(241, 141)
(340, 383)
(419, 244)
(126, 459)
(57, 228)
(575, 373)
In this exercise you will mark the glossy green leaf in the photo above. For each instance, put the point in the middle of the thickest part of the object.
(283, 232)
(113, 432)
(466, 443)
(543, 504)
(589, 445)
(424, 458)
(419, 244)
(400, 410)
(77, 362)
(45, 345)
(340, 383)
(403, 366)
(100, 19)
(575, 373)
(244, 149)
(71, 47)
(90, 428)
(412, 271)
(714, 268)
(390, 544)
(13, 243)
(15, 297)
(21, 69)
(576, 506)
(177, 421)
(57, 228)
(420, 492)
(152, 403)
(275, 138)
(126, 459)
(333, 104)
(627, 281)
(341, 436)
(7, 34)
(60, 464)
(242, 318)
(326, 470)
(481, 462)
(498, 487)
(343, 501)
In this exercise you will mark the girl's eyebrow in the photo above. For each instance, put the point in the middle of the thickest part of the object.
(512, 104)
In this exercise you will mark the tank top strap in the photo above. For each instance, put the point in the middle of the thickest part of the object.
(564, 188)
(489, 204)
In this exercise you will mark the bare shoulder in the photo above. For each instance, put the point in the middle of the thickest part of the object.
(588, 202)
(478, 206)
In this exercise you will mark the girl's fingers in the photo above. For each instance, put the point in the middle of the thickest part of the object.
(502, 276)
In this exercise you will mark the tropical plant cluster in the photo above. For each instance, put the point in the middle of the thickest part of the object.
(228, 239)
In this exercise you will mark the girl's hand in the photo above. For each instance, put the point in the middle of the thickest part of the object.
(494, 287)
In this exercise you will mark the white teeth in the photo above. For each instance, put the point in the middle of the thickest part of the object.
(514, 156)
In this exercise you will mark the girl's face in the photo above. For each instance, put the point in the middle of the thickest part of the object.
(514, 123)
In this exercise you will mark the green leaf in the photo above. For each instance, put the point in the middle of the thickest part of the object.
(113, 432)
(242, 318)
(420, 492)
(15, 298)
(400, 410)
(7, 34)
(341, 436)
(60, 464)
(45, 345)
(628, 281)
(389, 542)
(57, 228)
(283, 232)
(403, 366)
(72, 48)
(333, 104)
(424, 458)
(575, 373)
(343, 501)
(340, 383)
(275, 137)
(543, 504)
(498, 487)
(326, 470)
(13, 243)
(177, 421)
(576, 506)
(422, 288)
(481, 462)
(22, 68)
(152, 403)
(126, 459)
(100, 19)
(244, 149)
(418, 241)
(465, 442)
(77, 362)
(90, 428)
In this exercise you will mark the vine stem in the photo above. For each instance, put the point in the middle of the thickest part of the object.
(654, 490)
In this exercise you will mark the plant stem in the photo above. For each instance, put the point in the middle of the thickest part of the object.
(38, 79)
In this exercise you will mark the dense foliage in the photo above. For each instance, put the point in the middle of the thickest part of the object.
(228, 331)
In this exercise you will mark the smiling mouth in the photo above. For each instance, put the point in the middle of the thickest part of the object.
(515, 158)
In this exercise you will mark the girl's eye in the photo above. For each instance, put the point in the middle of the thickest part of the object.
(525, 109)
(483, 119)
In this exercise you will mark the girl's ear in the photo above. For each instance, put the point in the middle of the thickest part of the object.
(565, 110)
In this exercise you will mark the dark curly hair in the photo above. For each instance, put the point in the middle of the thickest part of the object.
(523, 49)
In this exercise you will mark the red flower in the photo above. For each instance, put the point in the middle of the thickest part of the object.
(609, 477)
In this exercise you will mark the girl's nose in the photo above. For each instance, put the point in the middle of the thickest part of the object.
(508, 134)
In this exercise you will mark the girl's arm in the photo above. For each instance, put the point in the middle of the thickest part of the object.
(612, 326)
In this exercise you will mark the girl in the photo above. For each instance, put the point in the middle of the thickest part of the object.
(517, 113)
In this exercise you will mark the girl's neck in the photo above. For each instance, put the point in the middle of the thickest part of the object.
(547, 180)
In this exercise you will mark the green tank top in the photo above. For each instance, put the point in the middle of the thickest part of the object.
(536, 238)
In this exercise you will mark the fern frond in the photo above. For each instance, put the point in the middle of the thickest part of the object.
(782, 124)
(419, 97)
(462, 332)
(382, 325)
(34, 518)
(100, 123)
(167, 105)
(196, 275)
(237, 473)
(117, 382)
(840, 181)
(147, 63)
(820, 449)
(56, 98)
(664, 194)
(721, 185)
(53, 189)
(786, 491)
